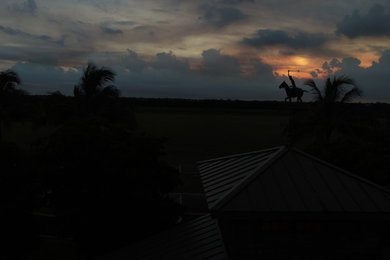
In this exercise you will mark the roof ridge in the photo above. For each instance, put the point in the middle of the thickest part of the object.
(281, 150)
(345, 172)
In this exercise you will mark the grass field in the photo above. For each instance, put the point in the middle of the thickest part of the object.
(199, 135)
(191, 135)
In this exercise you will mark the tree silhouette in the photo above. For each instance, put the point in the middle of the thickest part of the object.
(335, 91)
(329, 112)
(93, 83)
(108, 185)
(8, 81)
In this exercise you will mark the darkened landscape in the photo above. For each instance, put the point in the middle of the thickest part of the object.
(207, 129)
(83, 179)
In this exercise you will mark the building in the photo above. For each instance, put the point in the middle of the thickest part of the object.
(278, 203)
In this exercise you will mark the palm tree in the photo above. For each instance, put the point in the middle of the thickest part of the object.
(93, 83)
(9, 79)
(334, 90)
(330, 112)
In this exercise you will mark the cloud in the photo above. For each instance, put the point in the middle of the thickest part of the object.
(168, 61)
(214, 63)
(301, 40)
(42, 55)
(16, 32)
(221, 16)
(108, 30)
(373, 80)
(41, 79)
(234, 2)
(132, 62)
(375, 23)
(125, 22)
(164, 76)
(262, 71)
(28, 6)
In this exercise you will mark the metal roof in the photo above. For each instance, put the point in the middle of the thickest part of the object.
(285, 179)
(222, 175)
(196, 239)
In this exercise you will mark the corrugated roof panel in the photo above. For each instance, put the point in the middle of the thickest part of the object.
(221, 175)
(353, 186)
(305, 188)
(197, 239)
(358, 194)
(380, 199)
(274, 195)
(326, 195)
(296, 182)
(347, 201)
(293, 195)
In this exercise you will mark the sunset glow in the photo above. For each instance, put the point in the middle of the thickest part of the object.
(218, 44)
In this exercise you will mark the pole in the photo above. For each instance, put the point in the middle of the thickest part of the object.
(288, 72)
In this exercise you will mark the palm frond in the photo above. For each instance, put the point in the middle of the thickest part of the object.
(355, 92)
(111, 91)
(94, 80)
(315, 89)
(8, 80)
(77, 91)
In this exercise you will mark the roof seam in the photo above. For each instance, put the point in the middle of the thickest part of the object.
(328, 186)
(345, 172)
(256, 172)
(295, 186)
(323, 205)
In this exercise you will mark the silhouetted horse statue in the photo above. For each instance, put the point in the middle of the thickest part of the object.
(292, 92)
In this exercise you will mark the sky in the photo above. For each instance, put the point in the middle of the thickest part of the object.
(198, 49)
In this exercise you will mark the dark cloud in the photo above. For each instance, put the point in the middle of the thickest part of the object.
(141, 28)
(221, 16)
(108, 30)
(214, 80)
(165, 76)
(168, 61)
(301, 40)
(287, 53)
(28, 6)
(41, 79)
(214, 63)
(373, 80)
(234, 2)
(375, 23)
(335, 63)
(19, 33)
(42, 55)
(262, 70)
(327, 67)
(125, 22)
(132, 62)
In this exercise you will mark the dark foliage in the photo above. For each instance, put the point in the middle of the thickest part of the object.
(107, 183)
(18, 232)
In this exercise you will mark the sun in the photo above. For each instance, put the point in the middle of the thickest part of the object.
(301, 61)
